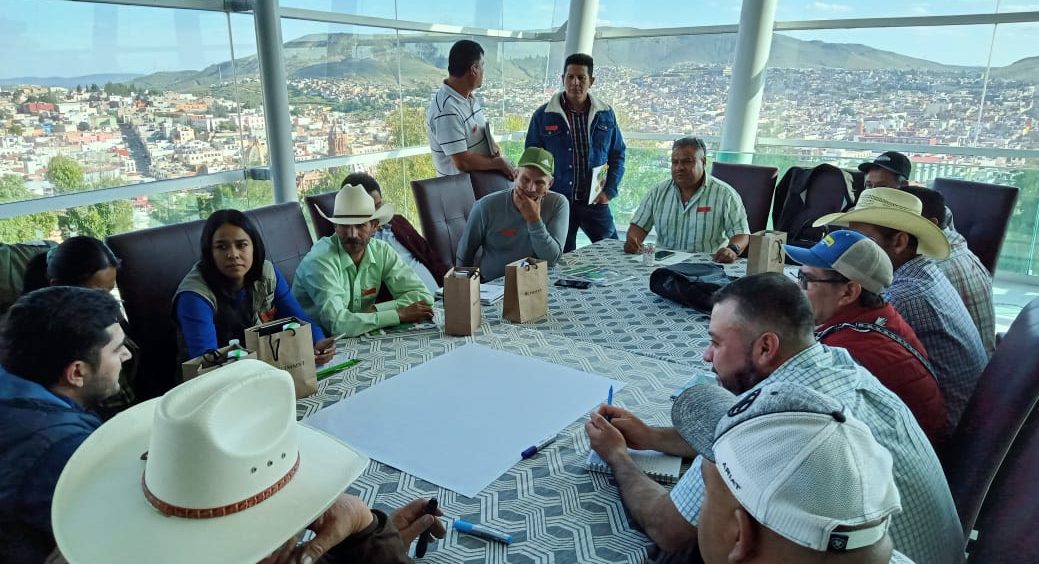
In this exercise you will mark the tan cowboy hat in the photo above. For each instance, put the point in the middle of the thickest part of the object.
(216, 470)
(895, 209)
(354, 206)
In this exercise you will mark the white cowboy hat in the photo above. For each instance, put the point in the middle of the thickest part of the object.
(217, 470)
(895, 209)
(354, 206)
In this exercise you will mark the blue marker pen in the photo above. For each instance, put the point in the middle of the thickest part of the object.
(609, 401)
(481, 531)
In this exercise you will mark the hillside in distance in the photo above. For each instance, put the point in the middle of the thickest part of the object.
(423, 59)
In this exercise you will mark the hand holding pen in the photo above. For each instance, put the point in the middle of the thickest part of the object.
(412, 520)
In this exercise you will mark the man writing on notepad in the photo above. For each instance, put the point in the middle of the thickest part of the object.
(762, 332)
(693, 211)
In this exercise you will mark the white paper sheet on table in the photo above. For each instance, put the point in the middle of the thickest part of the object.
(462, 419)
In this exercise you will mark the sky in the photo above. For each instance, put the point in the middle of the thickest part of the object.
(63, 38)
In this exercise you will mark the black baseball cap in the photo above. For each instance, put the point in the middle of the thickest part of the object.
(891, 160)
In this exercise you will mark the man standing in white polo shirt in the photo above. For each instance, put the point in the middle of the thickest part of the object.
(455, 122)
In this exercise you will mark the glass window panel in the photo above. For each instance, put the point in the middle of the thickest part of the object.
(370, 8)
(344, 89)
(877, 85)
(842, 9)
(667, 13)
(667, 84)
(134, 94)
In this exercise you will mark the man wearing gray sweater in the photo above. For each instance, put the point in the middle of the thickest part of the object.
(525, 221)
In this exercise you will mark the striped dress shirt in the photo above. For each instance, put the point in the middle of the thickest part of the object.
(704, 224)
(928, 302)
(973, 283)
(928, 528)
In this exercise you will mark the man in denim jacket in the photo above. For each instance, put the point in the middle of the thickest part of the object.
(582, 133)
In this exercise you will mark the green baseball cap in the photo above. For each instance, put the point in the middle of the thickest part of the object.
(539, 159)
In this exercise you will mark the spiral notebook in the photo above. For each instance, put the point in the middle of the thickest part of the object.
(663, 468)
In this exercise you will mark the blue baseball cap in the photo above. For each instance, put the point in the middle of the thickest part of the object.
(850, 253)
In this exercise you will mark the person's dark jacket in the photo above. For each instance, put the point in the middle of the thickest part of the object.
(39, 431)
(419, 247)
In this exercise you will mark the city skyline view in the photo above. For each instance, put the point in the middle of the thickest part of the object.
(357, 90)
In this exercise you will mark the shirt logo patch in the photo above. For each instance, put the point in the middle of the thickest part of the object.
(266, 316)
(508, 232)
(369, 292)
(474, 128)
(551, 127)
(703, 209)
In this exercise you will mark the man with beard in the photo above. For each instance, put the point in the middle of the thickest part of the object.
(337, 283)
(761, 331)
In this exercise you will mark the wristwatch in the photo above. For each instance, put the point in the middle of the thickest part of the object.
(734, 248)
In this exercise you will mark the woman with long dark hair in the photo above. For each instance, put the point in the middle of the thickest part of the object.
(79, 261)
(88, 263)
(233, 287)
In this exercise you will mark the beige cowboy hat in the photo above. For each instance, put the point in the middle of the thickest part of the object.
(895, 209)
(216, 470)
(354, 206)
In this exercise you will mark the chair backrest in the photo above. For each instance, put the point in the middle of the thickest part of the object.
(1004, 397)
(154, 262)
(486, 182)
(326, 202)
(806, 194)
(1006, 524)
(443, 205)
(755, 185)
(981, 213)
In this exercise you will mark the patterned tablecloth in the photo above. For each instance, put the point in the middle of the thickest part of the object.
(555, 509)
(626, 315)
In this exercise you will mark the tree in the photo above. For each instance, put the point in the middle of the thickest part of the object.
(395, 176)
(83, 126)
(65, 174)
(26, 227)
(79, 89)
(412, 125)
(16, 129)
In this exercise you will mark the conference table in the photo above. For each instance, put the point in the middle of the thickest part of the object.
(556, 510)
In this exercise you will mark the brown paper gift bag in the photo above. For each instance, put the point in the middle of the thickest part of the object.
(526, 290)
(765, 252)
(288, 348)
(211, 360)
(462, 309)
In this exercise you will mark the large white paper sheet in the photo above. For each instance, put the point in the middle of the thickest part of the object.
(462, 419)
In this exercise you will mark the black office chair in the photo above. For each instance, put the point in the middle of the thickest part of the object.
(443, 205)
(755, 184)
(981, 213)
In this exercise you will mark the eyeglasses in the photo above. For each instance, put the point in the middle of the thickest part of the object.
(804, 280)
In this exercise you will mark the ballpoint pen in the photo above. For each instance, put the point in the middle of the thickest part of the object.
(531, 451)
(426, 536)
(609, 401)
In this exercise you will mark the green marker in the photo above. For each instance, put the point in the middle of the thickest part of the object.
(325, 372)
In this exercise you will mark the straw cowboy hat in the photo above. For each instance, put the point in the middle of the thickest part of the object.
(354, 206)
(217, 470)
(896, 209)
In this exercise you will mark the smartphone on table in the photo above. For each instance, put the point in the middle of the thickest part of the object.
(571, 283)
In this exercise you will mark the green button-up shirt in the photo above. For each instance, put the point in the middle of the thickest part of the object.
(337, 293)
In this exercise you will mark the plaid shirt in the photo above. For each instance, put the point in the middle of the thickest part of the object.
(928, 528)
(928, 302)
(578, 121)
(973, 283)
(704, 224)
